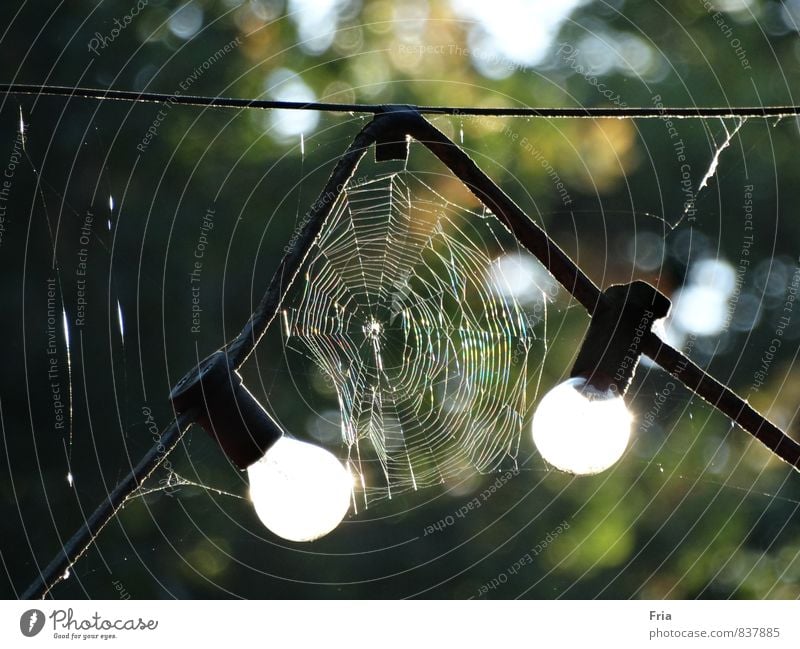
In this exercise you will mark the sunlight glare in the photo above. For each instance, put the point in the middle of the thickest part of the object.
(579, 429)
(300, 491)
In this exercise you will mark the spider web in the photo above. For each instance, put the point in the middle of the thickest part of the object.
(404, 312)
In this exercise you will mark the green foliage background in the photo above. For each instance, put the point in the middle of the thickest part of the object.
(695, 509)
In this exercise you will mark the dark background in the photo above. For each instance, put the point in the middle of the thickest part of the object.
(694, 509)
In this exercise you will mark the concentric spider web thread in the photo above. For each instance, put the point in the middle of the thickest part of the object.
(400, 310)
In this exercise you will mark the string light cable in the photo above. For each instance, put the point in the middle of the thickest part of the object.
(647, 112)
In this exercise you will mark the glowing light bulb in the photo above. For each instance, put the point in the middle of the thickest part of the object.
(580, 429)
(300, 491)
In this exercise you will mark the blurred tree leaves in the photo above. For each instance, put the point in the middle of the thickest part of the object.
(694, 509)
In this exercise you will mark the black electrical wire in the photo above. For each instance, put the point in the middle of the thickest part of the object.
(648, 112)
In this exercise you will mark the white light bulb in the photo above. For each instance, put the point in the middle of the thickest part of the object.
(580, 429)
(300, 491)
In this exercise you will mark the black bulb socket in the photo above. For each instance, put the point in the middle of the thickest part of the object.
(226, 410)
(622, 320)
